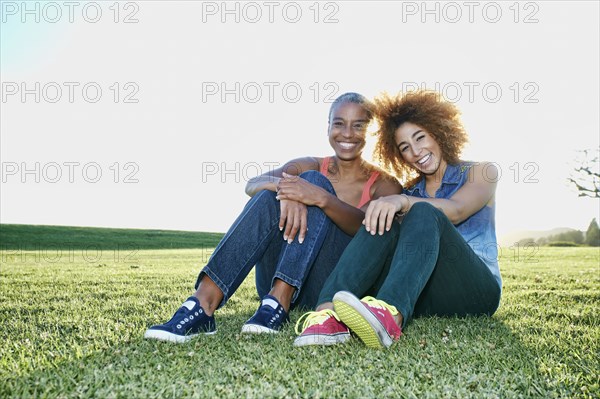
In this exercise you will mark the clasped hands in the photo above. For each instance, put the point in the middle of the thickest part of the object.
(295, 194)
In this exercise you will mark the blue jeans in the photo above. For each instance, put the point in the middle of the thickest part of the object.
(255, 239)
(422, 267)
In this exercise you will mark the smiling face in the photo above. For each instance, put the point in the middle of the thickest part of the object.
(419, 149)
(347, 128)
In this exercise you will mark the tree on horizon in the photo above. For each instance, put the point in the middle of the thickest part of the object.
(592, 235)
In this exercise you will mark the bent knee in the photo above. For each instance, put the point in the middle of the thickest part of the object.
(423, 209)
(317, 179)
(265, 195)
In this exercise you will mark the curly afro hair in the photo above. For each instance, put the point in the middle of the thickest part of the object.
(424, 108)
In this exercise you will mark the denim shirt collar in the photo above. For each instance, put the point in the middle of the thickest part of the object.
(452, 176)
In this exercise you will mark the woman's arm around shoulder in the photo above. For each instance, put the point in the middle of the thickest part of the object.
(477, 192)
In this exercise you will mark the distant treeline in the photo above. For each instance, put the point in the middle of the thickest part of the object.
(572, 238)
(26, 237)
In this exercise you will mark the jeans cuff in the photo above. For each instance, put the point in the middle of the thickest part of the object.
(217, 281)
(406, 315)
(405, 319)
(294, 283)
(323, 300)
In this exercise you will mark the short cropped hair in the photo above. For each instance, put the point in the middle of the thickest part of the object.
(356, 99)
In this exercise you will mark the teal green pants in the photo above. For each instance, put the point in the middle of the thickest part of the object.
(422, 267)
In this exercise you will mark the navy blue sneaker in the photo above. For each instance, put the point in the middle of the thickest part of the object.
(189, 321)
(269, 317)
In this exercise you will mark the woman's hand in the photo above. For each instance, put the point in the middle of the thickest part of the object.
(381, 212)
(295, 188)
(293, 219)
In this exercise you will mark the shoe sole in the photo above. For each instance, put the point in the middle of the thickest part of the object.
(170, 337)
(360, 320)
(322, 339)
(256, 329)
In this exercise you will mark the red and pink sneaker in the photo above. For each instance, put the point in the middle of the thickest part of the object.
(371, 319)
(321, 328)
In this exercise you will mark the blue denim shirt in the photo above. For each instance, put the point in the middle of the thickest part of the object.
(479, 230)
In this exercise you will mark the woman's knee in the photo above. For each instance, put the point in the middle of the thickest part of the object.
(316, 178)
(265, 196)
(263, 202)
(423, 210)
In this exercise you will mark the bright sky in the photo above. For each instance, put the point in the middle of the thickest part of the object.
(177, 104)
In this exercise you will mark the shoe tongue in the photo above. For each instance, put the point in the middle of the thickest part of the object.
(189, 304)
(270, 302)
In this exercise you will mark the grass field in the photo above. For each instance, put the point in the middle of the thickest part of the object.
(74, 304)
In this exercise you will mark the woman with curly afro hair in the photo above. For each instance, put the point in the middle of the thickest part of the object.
(442, 258)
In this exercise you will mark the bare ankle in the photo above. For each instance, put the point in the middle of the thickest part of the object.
(207, 304)
(325, 305)
(209, 295)
(283, 292)
(398, 319)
